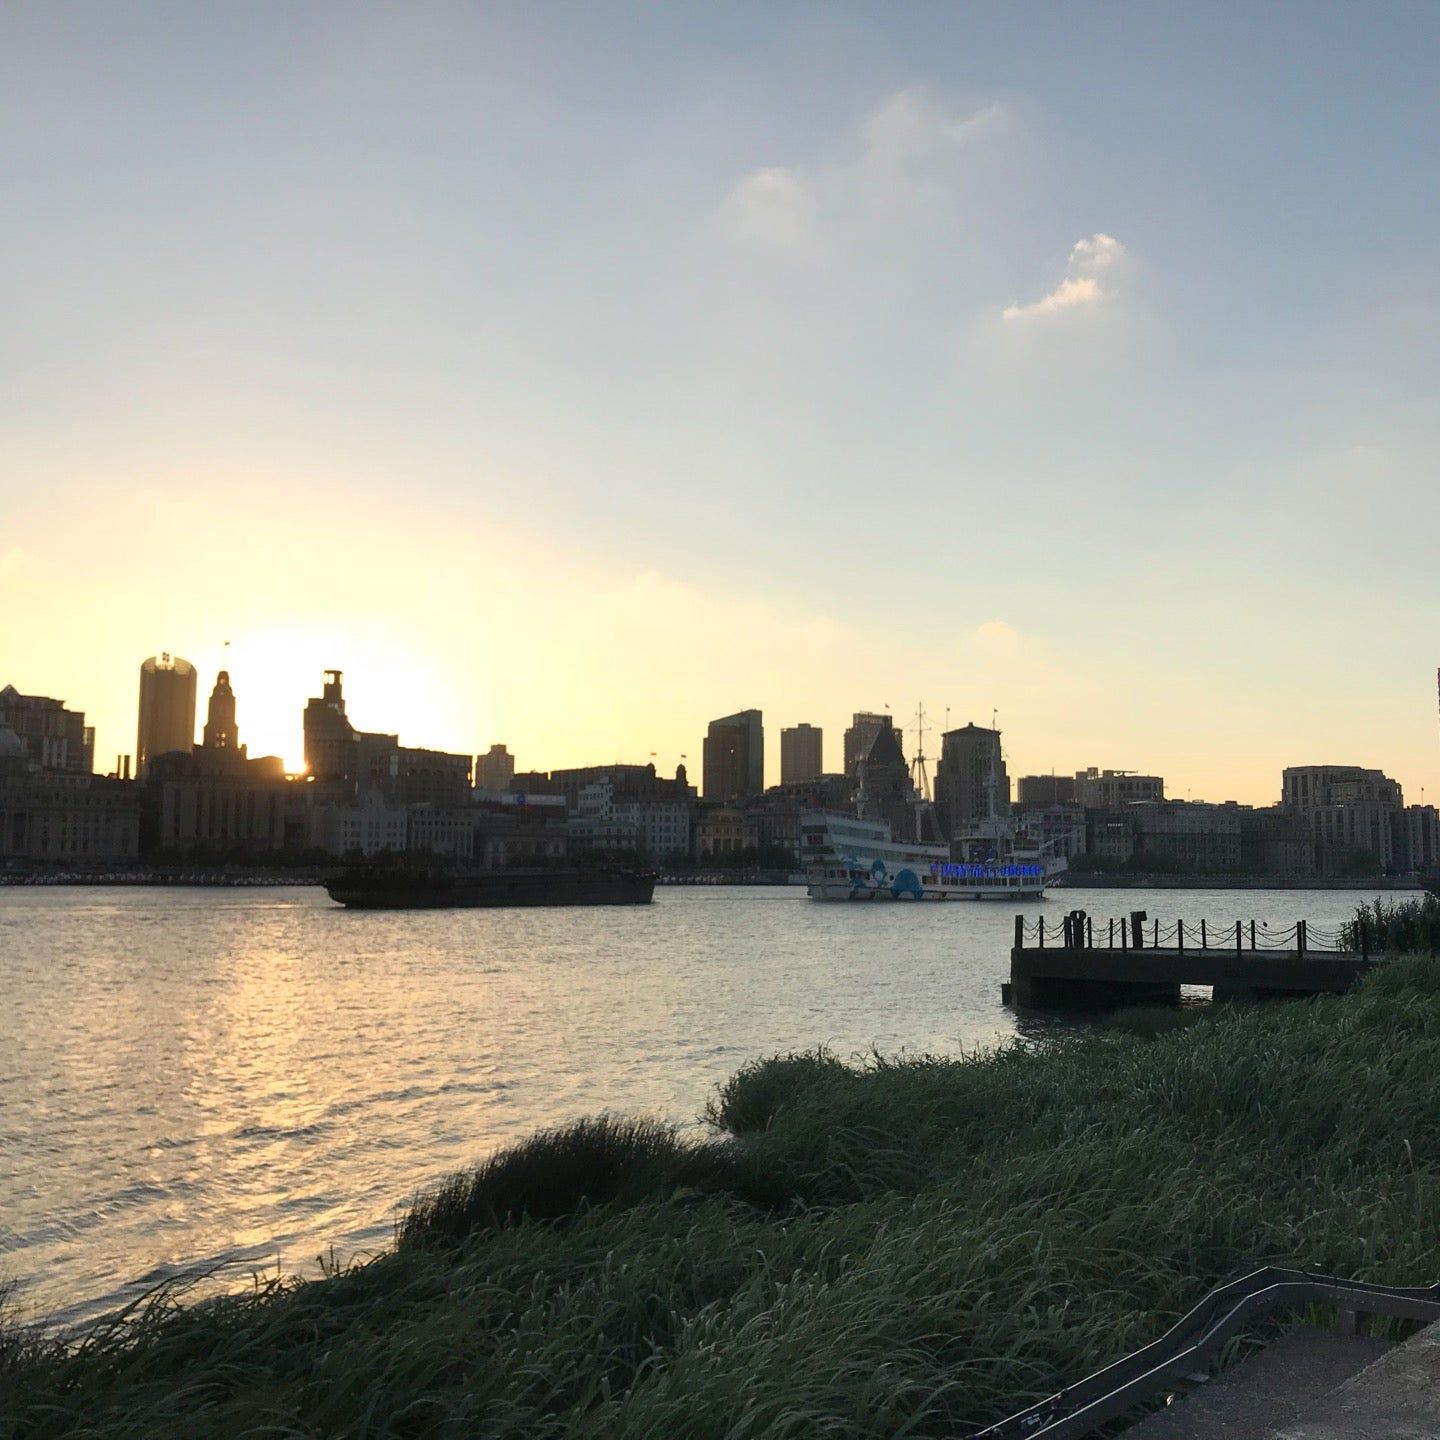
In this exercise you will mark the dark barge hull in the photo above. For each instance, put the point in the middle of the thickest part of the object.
(420, 890)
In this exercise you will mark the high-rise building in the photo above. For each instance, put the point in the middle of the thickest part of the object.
(167, 709)
(734, 757)
(864, 727)
(495, 769)
(54, 738)
(330, 746)
(221, 732)
(801, 753)
(971, 783)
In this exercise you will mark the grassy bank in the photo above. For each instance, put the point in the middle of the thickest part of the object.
(897, 1248)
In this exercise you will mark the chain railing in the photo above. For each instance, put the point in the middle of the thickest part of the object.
(1079, 931)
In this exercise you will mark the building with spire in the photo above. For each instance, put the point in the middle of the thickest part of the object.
(221, 733)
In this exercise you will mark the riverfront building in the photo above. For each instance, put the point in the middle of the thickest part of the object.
(167, 709)
(495, 769)
(63, 817)
(801, 753)
(53, 737)
(734, 757)
(1356, 817)
(1108, 789)
(971, 784)
(864, 727)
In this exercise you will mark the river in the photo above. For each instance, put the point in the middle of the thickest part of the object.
(233, 1081)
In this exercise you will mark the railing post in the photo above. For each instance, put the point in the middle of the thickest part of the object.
(1204, 938)
(1019, 932)
(1252, 934)
(1042, 932)
(1111, 941)
(1300, 936)
(1239, 940)
(1155, 938)
(1089, 933)
(1180, 936)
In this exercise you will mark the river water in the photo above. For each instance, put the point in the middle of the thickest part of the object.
(235, 1080)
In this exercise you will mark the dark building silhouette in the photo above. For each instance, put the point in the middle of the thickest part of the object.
(167, 709)
(53, 737)
(220, 729)
(970, 781)
(329, 735)
(864, 727)
(802, 750)
(886, 791)
(1045, 790)
(495, 769)
(734, 757)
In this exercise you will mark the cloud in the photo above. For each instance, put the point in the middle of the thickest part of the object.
(1093, 261)
(998, 634)
(907, 149)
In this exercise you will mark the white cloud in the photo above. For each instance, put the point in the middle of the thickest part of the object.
(1096, 258)
(907, 148)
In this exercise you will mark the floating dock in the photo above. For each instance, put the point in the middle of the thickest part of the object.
(1083, 962)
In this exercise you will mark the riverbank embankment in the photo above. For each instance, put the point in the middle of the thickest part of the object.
(896, 1246)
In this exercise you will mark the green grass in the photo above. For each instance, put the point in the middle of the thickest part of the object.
(893, 1248)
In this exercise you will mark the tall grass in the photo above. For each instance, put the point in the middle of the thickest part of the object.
(1397, 927)
(957, 1236)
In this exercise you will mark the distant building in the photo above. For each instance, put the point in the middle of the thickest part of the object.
(734, 759)
(369, 827)
(1044, 791)
(627, 782)
(329, 735)
(801, 753)
(215, 798)
(167, 709)
(1420, 827)
(221, 732)
(971, 783)
(345, 761)
(63, 817)
(495, 769)
(1188, 835)
(885, 789)
(1275, 840)
(53, 737)
(1059, 829)
(724, 830)
(864, 727)
(1107, 789)
(1356, 816)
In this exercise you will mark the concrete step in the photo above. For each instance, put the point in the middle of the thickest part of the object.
(1274, 1386)
(1395, 1398)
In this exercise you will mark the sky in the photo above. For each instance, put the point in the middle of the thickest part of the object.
(570, 375)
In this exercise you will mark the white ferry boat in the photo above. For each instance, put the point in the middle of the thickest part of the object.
(847, 858)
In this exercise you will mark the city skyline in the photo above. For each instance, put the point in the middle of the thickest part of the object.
(1075, 367)
(292, 754)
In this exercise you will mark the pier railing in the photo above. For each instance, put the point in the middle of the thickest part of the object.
(1079, 931)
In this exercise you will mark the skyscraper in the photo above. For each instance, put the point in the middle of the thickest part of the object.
(330, 742)
(167, 709)
(734, 757)
(970, 782)
(802, 750)
(864, 727)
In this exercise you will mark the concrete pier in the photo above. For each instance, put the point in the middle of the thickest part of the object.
(1234, 960)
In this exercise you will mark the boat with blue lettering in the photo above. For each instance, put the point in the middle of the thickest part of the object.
(850, 858)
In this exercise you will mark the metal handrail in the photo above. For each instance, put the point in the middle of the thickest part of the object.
(1194, 1339)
